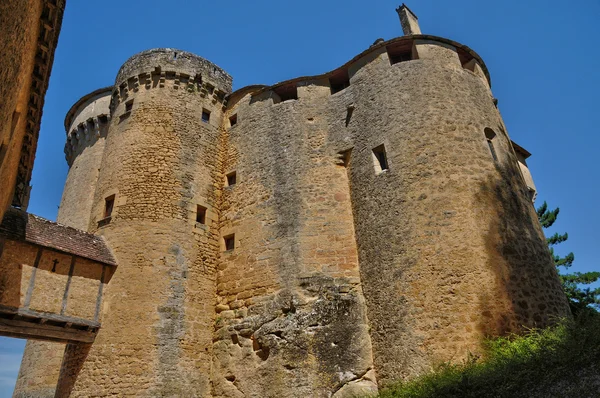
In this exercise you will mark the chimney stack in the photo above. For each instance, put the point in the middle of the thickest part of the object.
(408, 20)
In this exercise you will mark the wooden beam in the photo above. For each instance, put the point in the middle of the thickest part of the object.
(66, 295)
(29, 330)
(99, 297)
(26, 313)
(36, 264)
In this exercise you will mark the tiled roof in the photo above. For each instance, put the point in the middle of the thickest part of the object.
(19, 225)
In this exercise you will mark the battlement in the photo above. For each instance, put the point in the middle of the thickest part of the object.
(169, 59)
(161, 78)
(86, 121)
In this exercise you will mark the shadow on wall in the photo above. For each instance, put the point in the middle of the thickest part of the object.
(527, 290)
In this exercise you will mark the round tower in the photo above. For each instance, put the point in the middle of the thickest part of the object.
(86, 126)
(449, 247)
(155, 203)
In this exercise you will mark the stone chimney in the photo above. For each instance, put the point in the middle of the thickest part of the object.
(408, 20)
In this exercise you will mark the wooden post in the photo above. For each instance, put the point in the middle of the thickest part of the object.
(32, 279)
(66, 295)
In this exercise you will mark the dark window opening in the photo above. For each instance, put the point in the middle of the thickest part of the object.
(380, 159)
(129, 106)
(231, 178)
(233, 120)
(205, 115)
(109, 204)
(229, 241)
(339, 81)
(285, 93)
(489, 136)
(201, 214)
(103, 119)
(400, 52)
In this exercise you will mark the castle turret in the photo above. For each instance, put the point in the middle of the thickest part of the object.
(155, 202)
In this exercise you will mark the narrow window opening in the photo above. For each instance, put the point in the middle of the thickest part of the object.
(339, 81)
(231, 178)
(489, 136)
(380, 159)
(201, 215)
(233, 120)
(128, 106)
(205, 115)
(400, 53)
(109, 204)
(229, 241)
(174, 55)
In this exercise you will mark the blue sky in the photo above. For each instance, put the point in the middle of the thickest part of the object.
(543, 57)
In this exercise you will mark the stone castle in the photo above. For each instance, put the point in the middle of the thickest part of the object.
(319, 237)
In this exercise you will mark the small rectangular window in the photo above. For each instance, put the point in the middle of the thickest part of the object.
(201, 214)
(231, 178)
(380, 159)
(229, 241)
(129, 106)
(233, 120)
(205, 115)
(109, 204)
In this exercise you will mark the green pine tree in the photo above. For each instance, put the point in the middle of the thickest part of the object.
(579, 298)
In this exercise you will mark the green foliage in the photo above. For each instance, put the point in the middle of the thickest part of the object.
(561, 361)
(579, 298)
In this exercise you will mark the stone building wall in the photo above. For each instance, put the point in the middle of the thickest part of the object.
(355, 228)
(19, 23)
(291, 314)
(443, 220)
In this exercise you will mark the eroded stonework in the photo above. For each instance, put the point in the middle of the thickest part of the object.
(320, 237)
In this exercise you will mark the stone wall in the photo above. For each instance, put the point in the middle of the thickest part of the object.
(448, 243)
(291, 317)
(19, 23)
